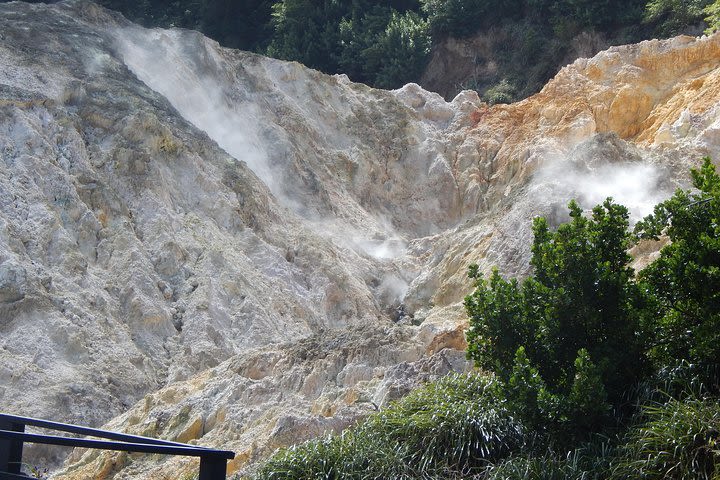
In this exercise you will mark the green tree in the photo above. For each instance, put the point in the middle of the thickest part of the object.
(369, 40)
(675, 16)
(307, 31)
(384, 47)
(685, 279)
(243, 24)
(400, 52)
(578, 321)
(358, 32)
(600, 14)
(713, 17)
(460, 18)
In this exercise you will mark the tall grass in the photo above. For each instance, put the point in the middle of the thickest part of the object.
(455, 426)
(590, 461)
(460, 428)
(541, 468)
(678, 439)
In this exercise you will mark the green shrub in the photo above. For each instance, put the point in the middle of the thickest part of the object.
(685, 279)
(571, 335)
(712, 12)
(673, 17)
(502, 92)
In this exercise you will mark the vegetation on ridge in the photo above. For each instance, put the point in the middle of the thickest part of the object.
(588, 370)
(388, 43)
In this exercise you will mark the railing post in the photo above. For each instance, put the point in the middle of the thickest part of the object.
(11, 450)
(212, 468)
(213, 463)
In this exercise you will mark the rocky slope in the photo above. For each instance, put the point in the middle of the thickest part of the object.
(211, 246)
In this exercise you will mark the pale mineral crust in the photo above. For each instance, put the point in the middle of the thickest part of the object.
(210, 246)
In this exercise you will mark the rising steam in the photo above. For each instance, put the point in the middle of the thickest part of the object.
(637, 186)
(605, 166)
(174, 64)
(161, 61)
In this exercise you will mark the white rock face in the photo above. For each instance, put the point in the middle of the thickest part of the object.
(208, 245)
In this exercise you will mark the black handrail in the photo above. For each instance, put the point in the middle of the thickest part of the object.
(213, 463)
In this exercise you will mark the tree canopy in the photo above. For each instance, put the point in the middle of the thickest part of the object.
(388, 43)
(573, 339)
(573, 331)
(685, 280)
(712, 12)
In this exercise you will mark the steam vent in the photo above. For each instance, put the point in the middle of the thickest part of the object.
(211, 246)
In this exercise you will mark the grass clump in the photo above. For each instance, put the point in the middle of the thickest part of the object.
(576, 465)
(678, 439)
(462, 427)
(457, 425)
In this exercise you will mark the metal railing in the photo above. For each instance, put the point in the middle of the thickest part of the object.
(213, 463)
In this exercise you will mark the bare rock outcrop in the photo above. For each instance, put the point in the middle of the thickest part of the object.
(211, 246)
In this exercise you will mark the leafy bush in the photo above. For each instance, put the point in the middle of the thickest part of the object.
(685, 279)
(675, 16)
(713, 17)
(502, 92)
(572, 334)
